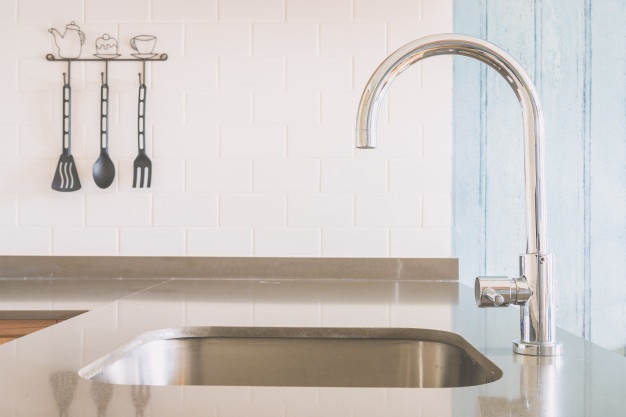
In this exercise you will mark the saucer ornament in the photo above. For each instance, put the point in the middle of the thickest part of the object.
(144, 56)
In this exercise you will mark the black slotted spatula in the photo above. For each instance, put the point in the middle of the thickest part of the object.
(66, 175)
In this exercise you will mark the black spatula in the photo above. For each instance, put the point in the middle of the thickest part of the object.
(66, 175)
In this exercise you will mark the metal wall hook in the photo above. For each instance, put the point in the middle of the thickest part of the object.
(105, 74)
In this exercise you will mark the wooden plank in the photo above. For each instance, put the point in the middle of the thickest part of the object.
(19, 328)
(608, 174)
(561, 63)
(468, 192)
(509, 25)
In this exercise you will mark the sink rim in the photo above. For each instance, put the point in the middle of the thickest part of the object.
(267, 332)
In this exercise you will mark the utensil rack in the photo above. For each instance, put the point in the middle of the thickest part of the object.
(157, 58)
(142, 164)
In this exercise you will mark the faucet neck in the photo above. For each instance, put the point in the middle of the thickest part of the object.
(516, 77)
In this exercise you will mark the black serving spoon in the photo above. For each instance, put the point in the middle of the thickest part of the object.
(103, 169)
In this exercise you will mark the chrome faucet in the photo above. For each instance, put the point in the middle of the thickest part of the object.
(533, 291)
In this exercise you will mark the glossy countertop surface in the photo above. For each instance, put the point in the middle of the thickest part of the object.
(39, 371)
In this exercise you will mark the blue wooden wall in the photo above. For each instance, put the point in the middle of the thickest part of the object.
(575, 50)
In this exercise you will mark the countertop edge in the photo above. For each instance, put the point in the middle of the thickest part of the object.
(140, 267)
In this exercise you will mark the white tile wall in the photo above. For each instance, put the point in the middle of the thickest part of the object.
(250, 129)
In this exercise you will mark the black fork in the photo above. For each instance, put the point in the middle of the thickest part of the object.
(142, 173)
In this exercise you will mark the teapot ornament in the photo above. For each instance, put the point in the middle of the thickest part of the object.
(69, 43)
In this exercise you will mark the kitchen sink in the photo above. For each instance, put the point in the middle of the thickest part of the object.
(290, 356)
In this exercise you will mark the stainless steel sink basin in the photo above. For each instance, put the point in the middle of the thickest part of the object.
(305, 357)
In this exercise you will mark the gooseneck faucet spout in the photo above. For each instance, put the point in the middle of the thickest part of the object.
(533, 290)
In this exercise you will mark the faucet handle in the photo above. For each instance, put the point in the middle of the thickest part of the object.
(501, 291)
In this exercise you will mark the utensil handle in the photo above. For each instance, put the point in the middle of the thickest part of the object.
(141, 119)
(67, 118)
(104, 115)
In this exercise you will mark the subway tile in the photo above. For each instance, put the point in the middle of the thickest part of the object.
(286, 107)
(187, 209)
(437, 210)
(196, 398)
(8, 209)
(284, 39)
(331, 73)
(425, 175)
(26, 108)
(314, 141)
(319, 11)
(421, 243)
(146, 241)
(355, 242)
(258, 410)
(354, 175)
(315, 209)
(437, 140)
(27, 175)
(338, 108)
(285, 175)
(380, 210)
(25, 241)
(222, 313)
(219, 175)
(223, 107)
(286, 315)
(291, 115)
(8, 12)
(84, 241)
(122, 209)
(417, 315)
(32, 75)
(302, 242)
(355, 315)
(296, 396)
(258, 11)
(184, 10)
(38, 11)
(231, 241)
(218, 39)
(396, 141)
(161, 106)
(10, 70)
(34, 141)
(356, 39)
(188, 73)
(253, 141)
(258, 73)
(117, 11)
(401, 33)
(26, 40)
(10, 136)
(316, 410)
(391, 10)
(51, 209)
(252, 210)
(435, 9)
(195, 140)
(363, 68)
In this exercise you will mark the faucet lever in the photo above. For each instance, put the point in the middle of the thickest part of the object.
(501, 291)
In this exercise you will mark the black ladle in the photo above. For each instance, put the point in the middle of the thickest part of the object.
(103, 169)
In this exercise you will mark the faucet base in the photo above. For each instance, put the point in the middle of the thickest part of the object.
(537, 349)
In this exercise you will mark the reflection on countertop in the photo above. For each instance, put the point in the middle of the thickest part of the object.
(39, 371)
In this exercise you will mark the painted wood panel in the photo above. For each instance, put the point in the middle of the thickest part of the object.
(574, 50)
